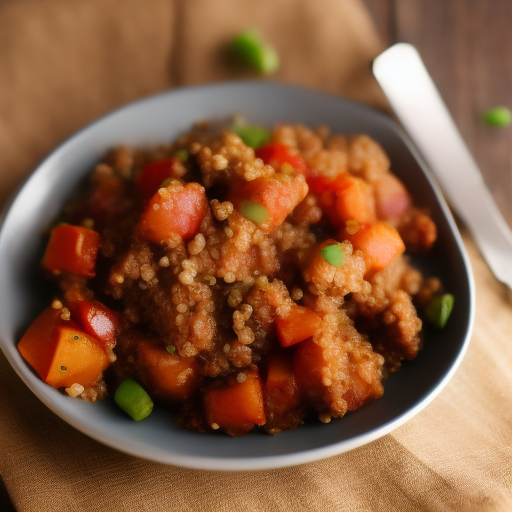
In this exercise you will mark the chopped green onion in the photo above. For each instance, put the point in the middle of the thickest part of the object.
(497, 116)
(333, 254)
(253, 135)
(250, 48)
(131, 397)
(254, 211)
(181, 154)
(171, 349)
(439, 309)
(166, 182)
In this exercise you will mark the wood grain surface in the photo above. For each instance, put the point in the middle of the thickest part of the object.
(467, 48)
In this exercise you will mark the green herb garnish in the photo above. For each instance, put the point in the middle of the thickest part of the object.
(333, 254)
(131, 397)
(497, 116)
(250, 48)
(439, 309)
(252, 135)
(254, 211)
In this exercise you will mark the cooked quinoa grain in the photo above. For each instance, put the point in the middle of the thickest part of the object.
(233, 320)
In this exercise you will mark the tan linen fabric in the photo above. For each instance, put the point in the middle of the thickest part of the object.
(62, 64)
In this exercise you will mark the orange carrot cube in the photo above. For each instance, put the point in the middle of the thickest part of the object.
(171, 377)
(61, 353)
(299, 324)
(236, 406)
(379, 243)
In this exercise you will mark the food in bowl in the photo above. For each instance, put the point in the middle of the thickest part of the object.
(240, 286)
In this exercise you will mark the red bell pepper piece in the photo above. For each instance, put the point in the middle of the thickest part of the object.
(73, 249)
(299, 324)
(278, 154)
(154, 174)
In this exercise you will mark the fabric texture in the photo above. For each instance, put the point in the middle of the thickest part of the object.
(62, 64)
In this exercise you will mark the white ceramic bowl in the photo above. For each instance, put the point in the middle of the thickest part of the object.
(161, 118)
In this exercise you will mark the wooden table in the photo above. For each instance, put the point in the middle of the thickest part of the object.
(467, 48)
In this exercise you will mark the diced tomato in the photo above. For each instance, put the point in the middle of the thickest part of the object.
(379, 243)
(95, 319)
(236, 406)
(154, 174)
(174, 210)
(391, 198)
(299, 324)
(73, 249)
(61, 353)
(278, 154)
(171, 377)
(278, 193)
(319, 183)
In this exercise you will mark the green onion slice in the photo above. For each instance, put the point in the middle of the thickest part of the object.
(131, 397)
(497, 116)
(171, 349)
(254, 211)
(252, 135)
(181, 154)
(439, 309)
(250, 48)
(333, 254)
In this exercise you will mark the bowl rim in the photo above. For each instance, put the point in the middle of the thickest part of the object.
(238, 463)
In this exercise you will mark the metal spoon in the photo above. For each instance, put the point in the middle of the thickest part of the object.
(419, 107)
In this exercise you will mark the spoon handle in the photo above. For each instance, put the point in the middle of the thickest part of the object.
(419, 107)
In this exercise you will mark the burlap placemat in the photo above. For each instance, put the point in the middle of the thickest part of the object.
(64, 63)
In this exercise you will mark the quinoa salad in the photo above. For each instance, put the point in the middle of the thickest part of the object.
(241, 277)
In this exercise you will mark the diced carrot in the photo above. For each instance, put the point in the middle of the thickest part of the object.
(279, 194)
(236, 406)
(73, 249)
(391, 198)
(78, 358)
(280, 388)
(350, 198)
(170, 376)
(278, 154)
(61, 353)
(154, 174)
(308, 367)
(174, 210)
(37, 346)
(95, 319)
(379, 243)
(299, 324)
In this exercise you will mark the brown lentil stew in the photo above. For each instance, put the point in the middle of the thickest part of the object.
(237, 286)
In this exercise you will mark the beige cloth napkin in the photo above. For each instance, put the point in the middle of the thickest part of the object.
(64, 63)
